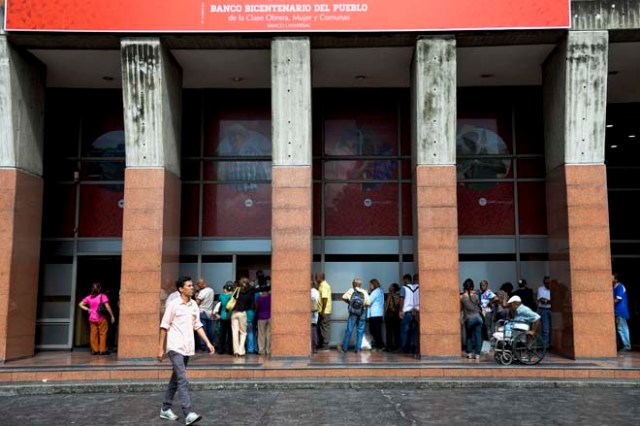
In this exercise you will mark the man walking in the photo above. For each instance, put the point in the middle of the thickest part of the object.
(324, 316)
(544, 309)
(181, 318)
(358, 301)
(621, 311)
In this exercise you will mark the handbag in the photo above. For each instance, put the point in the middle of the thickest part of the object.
(102, 309)
(232, 302)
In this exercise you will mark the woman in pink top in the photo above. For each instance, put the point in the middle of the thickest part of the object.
(97, 322)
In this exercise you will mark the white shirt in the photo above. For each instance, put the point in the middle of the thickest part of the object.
(206, 301)
(173, 296)
(315, 300)
(544, 293)
(411, 295)
(181, 319)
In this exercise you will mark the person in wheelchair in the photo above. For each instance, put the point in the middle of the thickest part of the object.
(522, 313)
(518, 339)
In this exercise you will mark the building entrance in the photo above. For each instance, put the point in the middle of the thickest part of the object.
(106, 271)
(249, 265)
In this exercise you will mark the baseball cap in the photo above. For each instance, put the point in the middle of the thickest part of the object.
(514, 299)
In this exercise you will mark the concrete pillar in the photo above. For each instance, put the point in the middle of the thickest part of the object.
(22, 88)
(575, 87)
(435, 228)
(291, 232)
(152, 92)
(2, 17)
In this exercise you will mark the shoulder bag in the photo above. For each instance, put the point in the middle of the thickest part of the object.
(232, 302)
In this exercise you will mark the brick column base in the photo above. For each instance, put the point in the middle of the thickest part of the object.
(150, 250)
(580, 262)
(20, 232)
(436, 242)
(291, 262)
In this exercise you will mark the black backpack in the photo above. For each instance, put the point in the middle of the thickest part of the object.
(356, 303)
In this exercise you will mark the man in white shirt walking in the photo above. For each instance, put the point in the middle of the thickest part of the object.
(181, 318)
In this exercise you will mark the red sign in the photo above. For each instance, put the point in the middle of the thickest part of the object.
(282, 15)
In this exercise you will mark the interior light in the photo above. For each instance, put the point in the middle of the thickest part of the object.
(361, 77)
(609, 126)
(613, 146)
(237, 79)
(632, 136)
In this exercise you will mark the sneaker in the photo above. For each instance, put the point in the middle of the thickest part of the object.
(470, 356)
(477, 356)
(168, 414)
(340, 349)
(192, 418)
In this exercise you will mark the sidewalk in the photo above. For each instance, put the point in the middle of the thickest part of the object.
(80, 367)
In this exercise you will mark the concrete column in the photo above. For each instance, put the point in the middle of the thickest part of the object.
(152, 91)
(291, 232)
(435, 228)
(22, 88)
(575, 87)
(1, 17)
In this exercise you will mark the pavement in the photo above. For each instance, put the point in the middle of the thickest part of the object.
(581, 404)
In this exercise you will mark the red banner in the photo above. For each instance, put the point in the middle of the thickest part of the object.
(282, 15)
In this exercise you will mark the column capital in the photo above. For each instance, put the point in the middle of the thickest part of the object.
(152, 94)
(574, 80)
(433, 103)
(22, 88)
(291, 101)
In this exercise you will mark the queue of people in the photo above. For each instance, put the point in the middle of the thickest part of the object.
(482, 309)
(239, 321)
(398, 310)
(246, 327)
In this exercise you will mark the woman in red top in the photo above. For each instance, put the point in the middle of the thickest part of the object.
(97, 322)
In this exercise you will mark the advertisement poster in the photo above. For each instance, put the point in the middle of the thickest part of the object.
(283, 15)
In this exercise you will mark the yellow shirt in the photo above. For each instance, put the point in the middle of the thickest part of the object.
(325, 293)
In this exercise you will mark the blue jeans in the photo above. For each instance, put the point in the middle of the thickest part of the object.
(545, 318)
(178, 382)
(251, 338)
(207, 326)
(408, 333)
(358, 322)
(623, 330)
(473, 327)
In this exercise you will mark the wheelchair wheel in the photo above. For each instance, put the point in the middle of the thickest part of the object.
(502, 354)
(506, 358)
(529, 349)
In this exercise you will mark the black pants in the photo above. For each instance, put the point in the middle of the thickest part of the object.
(392, 324)
(324, 331)
(375, 327)
(226, 345)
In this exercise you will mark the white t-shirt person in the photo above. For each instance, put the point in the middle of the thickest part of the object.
(205, 296)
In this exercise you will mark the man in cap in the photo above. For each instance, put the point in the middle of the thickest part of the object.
(523, 313)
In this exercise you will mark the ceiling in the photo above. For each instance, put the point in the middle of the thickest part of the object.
(339, 67)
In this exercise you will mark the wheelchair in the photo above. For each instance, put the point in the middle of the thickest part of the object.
(512, 342)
